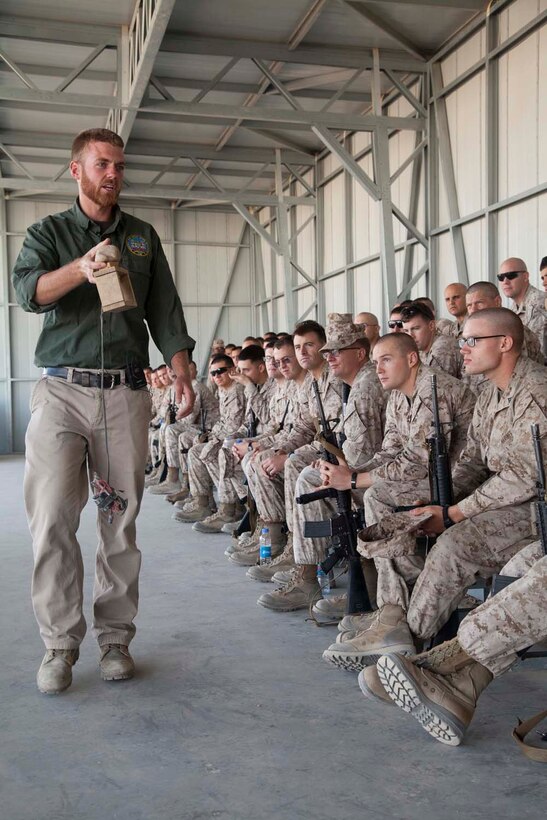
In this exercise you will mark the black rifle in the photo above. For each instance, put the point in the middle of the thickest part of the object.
(440, 476)
(344, 526)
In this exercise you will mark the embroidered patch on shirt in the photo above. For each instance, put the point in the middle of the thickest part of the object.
(138, 245)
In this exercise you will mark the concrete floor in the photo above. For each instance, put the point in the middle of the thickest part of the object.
(233, 713)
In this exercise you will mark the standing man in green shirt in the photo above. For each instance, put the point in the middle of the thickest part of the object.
(89, 414)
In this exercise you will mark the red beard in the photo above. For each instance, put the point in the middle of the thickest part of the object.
(102, 198)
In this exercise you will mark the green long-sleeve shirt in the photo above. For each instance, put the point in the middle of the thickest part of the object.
(70, 335)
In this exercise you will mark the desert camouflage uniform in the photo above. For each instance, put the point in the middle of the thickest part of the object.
(448, 328)
(301, 444)
(157, 435)
(532, 312)
(268, 492)
(444, 355)
(362, 425)
(276, 502)
(190, 424)
(513, 619)
(499, 462)
(256, 421)
(203, 469)
(400, 469)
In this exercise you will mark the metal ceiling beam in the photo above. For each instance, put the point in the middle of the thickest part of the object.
(346, 122)
(472, 5)
(279, 139)
(366, 13)
(144, 38)
(81, 67)
(304, 25)
(157, 148)
(26, 28)
(34, 159)
(449, 175)
(169, 192)
(89, 102)
(307, 87)
(309, 54)
(17, 70)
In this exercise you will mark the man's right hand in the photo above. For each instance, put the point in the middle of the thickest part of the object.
(86, 265)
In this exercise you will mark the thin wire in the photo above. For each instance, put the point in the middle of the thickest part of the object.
(103, 401)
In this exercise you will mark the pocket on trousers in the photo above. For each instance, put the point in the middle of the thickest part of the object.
(38, 397)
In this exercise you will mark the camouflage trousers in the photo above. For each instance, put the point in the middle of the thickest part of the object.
(294, 465)
(210, 464)
(513, 619)
(394, 574)
(156, 444)
(475, 548)
(172, 434)
(185, 442)
(312, 550)
(268, 493)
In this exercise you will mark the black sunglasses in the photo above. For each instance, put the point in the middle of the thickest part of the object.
(395, 323)
(512, 274)
(219, 371)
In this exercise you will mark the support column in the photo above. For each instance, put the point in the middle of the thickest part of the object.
(492, 146)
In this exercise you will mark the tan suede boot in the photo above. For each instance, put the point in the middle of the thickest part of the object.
(299, 594)
(389, 632)
(443, 703)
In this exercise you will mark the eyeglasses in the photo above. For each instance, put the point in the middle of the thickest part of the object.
(286, 360)
(512, 274)
(471, 341)
(219, 371)
(393, 323)
(335, 353)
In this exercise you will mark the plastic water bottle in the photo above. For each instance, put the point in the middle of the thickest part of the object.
(265, 543)
(323, 580)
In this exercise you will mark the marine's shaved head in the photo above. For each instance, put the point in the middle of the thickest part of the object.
(401, 342)
(498, 320)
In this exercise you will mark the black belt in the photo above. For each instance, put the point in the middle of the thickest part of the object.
(85, 378)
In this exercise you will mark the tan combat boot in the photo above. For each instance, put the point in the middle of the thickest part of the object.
(214, 523)
(372, 687)
(170, 484)
(195, 510)
(443, 703)
(298, 594)
(250, 555)
(245, 539)
(331, 609)
(55, 672)
(389, 632)
(182, 493)
(116, 663)
(282, 562)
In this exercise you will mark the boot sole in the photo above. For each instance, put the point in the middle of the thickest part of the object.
(436, 721)
(355, 663)
(293, 608)
(126, 676)
(54, 691)
(369, 694)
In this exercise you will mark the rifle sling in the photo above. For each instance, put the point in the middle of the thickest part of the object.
(330, 448)
(522, 729)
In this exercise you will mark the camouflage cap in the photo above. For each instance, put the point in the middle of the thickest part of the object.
(342, 331)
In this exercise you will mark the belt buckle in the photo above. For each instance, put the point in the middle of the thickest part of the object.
(112, 381)
(85, 379)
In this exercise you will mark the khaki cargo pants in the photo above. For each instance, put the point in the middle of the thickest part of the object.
(65, 445)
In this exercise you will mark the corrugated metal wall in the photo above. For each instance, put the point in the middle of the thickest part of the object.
(209, 254)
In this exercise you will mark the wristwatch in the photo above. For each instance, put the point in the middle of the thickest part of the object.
(447, 521)
(354, 481)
